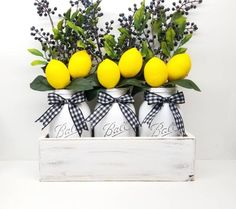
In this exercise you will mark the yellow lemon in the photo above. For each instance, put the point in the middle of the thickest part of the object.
(155, 72)
(178, 66)
(108, 73)
(57, 74)
(80, 64)
(130, 63)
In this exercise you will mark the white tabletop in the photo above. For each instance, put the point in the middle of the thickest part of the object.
(214, 188)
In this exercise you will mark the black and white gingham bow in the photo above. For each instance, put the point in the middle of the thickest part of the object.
(105, 100)
(57, 102)
(158, 101)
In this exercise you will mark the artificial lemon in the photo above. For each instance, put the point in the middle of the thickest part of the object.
(108, 74)
(130, 63)
(155, 72)
(80, 64)
(179, 66)
(57, 74)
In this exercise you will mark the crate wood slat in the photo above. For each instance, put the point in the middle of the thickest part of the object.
(117, 159)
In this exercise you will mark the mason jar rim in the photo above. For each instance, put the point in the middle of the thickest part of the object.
(163, 89)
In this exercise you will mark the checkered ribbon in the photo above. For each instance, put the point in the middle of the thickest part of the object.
(158, 101)
(57, 102)
(106, 102)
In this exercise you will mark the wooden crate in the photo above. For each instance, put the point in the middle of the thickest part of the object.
(117, 159)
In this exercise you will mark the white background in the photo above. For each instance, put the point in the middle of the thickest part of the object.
(209, 115)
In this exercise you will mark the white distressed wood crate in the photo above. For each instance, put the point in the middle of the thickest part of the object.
(117, 159)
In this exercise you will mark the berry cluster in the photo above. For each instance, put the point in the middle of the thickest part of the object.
(108, 27)
(46, 39)
(43, 9)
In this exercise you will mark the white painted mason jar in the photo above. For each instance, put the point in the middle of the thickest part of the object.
(163, 124)
(62, 125)
(114, 123)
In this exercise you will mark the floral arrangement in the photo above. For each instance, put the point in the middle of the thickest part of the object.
(91, 60)
(81, 55)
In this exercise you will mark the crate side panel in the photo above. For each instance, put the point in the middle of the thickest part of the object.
(104, 160)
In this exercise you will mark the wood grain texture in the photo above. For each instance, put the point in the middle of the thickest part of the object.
(131, 159)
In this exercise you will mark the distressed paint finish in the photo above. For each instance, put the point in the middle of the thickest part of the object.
(119, 159)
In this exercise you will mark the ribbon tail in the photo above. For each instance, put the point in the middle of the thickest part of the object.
(178, 119)
(151, 115)
(78, 118)
(49, 115)
(98, 114)
(129, 115)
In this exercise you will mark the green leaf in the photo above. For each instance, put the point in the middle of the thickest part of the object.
(80, 19)
(186, 83)
(121, 40)
(56, 33)
(131, 82)
(67, 14)
(92, 78)
(180, 21)
(74, 15)
(170, 36)
(60, 24)
(109, 46)
(139, 16)
(185, 39)
(176, 15)
(35, 52)
(180, 51)
(40, 83)
(146, 51)
(156, 26)
(110, 51)
(76, 28)
(124, 31)
(165, 49)
(124, 35)
(81, 84)
(38, 62)
(91, 43)
(110, 39)
(80, 44)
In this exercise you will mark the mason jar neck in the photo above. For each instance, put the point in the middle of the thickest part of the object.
(117, 92)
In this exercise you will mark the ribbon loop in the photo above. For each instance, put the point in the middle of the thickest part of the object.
(57, 102)
(177, 98)
(105, 100)
(158, 101)
(152, 98)
(55, 99)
